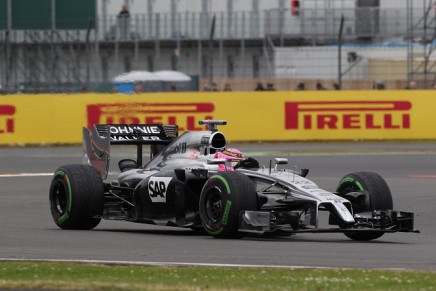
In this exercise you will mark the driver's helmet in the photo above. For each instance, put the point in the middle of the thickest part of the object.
(232, 156)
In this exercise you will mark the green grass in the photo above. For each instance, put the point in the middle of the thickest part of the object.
(79, 276)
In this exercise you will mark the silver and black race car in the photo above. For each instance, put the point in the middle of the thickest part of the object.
(184, 184)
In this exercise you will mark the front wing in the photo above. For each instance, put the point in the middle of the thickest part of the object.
(384, 221)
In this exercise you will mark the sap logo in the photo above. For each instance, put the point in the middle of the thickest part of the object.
(157, 188)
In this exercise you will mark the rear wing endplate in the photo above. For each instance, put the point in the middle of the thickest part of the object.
(96, 143)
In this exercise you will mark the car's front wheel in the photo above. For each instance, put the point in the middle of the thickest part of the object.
(378, 197)
(222, 199)
(76, 197)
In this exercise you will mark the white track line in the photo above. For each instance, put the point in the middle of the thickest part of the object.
(11, 175)
(178, 264)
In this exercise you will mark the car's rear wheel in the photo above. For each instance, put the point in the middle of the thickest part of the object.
(222, 199)
(378, 197)
(76, 197)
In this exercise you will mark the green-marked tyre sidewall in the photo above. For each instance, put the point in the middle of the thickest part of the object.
(215, 228)
(61, 177)
(379, 196)
(237, 194)
(76, 197)
(350, 180)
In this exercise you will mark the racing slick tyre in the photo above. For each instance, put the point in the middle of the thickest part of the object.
(222, 198)
(76, 197)
(379, 197)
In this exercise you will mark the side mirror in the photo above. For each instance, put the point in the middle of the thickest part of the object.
(127, 164)
(280, 161)
(304, 172)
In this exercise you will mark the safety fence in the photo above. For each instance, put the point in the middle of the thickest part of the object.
(383, 43)
(251, 116)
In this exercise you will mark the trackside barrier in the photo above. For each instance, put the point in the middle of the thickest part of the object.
(251, 116)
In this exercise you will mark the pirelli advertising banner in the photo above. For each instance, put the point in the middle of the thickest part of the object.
(251, 116)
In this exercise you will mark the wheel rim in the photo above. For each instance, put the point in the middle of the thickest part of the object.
(60, 197)
(214, 204)
(358, 205)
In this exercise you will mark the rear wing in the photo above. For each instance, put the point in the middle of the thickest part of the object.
(145, 134)
(96, 143)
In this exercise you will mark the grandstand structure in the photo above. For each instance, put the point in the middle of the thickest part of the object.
(80, 45)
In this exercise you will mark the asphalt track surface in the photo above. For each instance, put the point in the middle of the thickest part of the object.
(28, 232)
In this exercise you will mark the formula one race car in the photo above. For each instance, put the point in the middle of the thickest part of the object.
(194, 181)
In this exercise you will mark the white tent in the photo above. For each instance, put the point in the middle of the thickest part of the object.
(171, 76)
(160, 81)
(134, 76)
